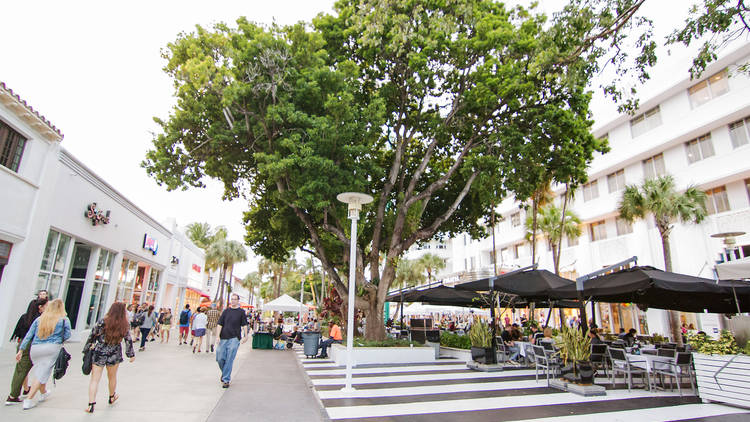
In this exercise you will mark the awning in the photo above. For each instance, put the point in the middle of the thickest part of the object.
(193, 289)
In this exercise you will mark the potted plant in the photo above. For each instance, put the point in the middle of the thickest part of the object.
(575, 351)
(481, 343)
(721, 369)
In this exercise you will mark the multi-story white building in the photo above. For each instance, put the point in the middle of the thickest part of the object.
(696, 130)
(65, 230)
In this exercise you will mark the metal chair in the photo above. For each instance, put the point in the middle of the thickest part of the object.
(529, 351)
(681, 366)
(599, 357)
(542, 361)
(621, 363)
(666, 352)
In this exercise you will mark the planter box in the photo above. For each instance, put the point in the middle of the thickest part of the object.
(381, 355)
(463, 355)
(723, 378)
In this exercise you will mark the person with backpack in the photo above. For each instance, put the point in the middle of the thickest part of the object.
(46, 336)
(135, 323)
(20, 374)
(147, 323)
(184, 324)
(106, 342)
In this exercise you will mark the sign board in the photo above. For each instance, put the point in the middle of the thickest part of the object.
(196, 268)
(149, 243)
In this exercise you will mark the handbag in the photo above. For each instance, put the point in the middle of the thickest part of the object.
(88, 361)
(61, 363)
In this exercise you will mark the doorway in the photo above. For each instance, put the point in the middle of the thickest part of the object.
(76, 281)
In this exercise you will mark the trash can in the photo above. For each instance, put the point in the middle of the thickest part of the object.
(311, 339)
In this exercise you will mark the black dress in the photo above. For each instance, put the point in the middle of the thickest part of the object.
(106, 354)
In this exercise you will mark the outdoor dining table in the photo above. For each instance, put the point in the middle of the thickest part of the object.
(262, 340)
(522, 347)
(648, 360)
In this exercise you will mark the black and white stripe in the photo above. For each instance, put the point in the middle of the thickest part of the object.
(447, 390)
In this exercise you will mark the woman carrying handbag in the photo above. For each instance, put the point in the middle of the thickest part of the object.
(105, 344)
(46, 334)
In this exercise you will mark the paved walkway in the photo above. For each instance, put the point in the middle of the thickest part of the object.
(168, 382)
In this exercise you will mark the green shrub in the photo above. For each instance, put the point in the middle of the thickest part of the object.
(457, 341)
(390, 342)
(725, 345)
(480, 335)
(574, 345)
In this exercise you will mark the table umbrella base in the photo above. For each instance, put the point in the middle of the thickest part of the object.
(581, 390)
(484, 367)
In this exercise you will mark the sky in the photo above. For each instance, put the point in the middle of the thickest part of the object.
(94, 70)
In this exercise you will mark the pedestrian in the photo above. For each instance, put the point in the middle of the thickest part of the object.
(135, 323)
(42, 294)
(21, 372)
(199, 328)
(149, 322)
(46, 336)
(155, 329)
(212, 315)
(230, 326)
(184, 324)
(106, 342)
(166, 325)
(334, 336)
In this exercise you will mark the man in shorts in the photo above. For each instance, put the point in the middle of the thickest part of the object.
(231, 323)
(184, 324)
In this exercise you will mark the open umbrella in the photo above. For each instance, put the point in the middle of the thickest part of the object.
(651, 287)
(443, 295)
(532, 285)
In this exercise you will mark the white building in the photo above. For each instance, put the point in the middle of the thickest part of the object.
(64, 229)
(696, 130)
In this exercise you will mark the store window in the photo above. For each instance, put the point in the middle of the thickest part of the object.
(616, 181)
(515, 219)
(704, 91)
(11, 147)
(52, 270)
(100, 290)
(739, 132)
(654, 167)
(126, 281)
(623, 226)
(590, 191)
(152, 287)
(598, 231)
(699, 148)
(645, 122)
(717, 200)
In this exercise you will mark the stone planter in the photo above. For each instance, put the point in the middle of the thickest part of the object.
(723, 378)
(463, 355)
(382, 355)
(482, 354)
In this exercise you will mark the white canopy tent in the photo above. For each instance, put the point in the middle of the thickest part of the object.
(734, 270)
(422, 309)
(284, 303)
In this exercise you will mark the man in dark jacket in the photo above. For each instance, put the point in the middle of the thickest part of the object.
(36, 307)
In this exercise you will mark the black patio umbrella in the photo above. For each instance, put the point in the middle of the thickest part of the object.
(531, 285)
(651, 287)
(443, 295)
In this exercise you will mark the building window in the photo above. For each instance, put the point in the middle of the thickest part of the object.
(598, 231)
(654, 167)
(717, 200)
(125, 284)
(504, 255)
(11, 147)
(712, 87)
(590, 191)
(466, 264)
(739, 132)
(516, 251)
(644, 122)
(616, 181)
(52, 270)
(152, 288)
(572, 241)
(515, 219)
(473, 263)
(623, 226)
(747, 187)
(97, 305)
(699, 148)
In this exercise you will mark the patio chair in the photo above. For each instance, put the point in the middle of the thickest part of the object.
(680, 367)
(599, 357)
(529, 351)
(544, 361)
(666, 352)
(621, 363)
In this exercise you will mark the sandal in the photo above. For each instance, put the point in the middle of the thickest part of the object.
(90, 408)
(113, 398)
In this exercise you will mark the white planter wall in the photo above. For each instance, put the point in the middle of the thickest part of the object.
(382, 355)
(463, 355)
(731, 385)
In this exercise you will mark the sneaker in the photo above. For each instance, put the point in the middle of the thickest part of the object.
(13, 400)
(212, 348)
(191, 342)
(225, 385)
(28, 404)
(152, 339)
(142, 349)
(43, 396)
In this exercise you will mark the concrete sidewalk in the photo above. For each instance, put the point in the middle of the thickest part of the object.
(170, 383)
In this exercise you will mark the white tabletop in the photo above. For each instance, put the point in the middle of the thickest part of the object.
(648, 360)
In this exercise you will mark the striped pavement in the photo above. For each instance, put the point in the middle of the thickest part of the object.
(446, 390)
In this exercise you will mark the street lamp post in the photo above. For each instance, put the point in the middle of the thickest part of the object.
(355, 202)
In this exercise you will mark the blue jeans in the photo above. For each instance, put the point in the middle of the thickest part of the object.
(225, 356)
(515, 351)
(325, 344)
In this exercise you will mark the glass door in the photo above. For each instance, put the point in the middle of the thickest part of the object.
(101, 287)
(76, 281)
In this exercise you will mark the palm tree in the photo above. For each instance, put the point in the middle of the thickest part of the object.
(409, 273)
(224, 254)
(540, 197)
(431, 263)
(554, 227)
(659, 198)
(202, 235)
(250, 282)
(278, 271)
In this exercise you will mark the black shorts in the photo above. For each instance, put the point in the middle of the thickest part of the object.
(134, 325)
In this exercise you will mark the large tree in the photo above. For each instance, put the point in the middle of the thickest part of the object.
(436, 108)
(660, 198)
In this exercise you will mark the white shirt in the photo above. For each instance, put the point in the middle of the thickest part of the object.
(200, 321)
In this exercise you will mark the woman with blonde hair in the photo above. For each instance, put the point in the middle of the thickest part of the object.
(46, 334)
(106, 342)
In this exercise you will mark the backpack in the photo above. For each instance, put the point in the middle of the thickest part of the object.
(184, 317)
(139, 319)
(61, 364)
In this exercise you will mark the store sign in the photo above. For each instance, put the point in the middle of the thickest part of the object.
(149, 243)
(96, 216)
(196, 268)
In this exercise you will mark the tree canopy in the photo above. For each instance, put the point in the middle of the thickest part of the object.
(436, 108)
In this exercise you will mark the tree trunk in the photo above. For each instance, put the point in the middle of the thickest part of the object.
(231, 279)
(674, 316)
(533, 229)
(375, 329)
(220, 287)
(556, 252)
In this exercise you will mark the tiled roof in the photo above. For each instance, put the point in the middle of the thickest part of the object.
(33, 117)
